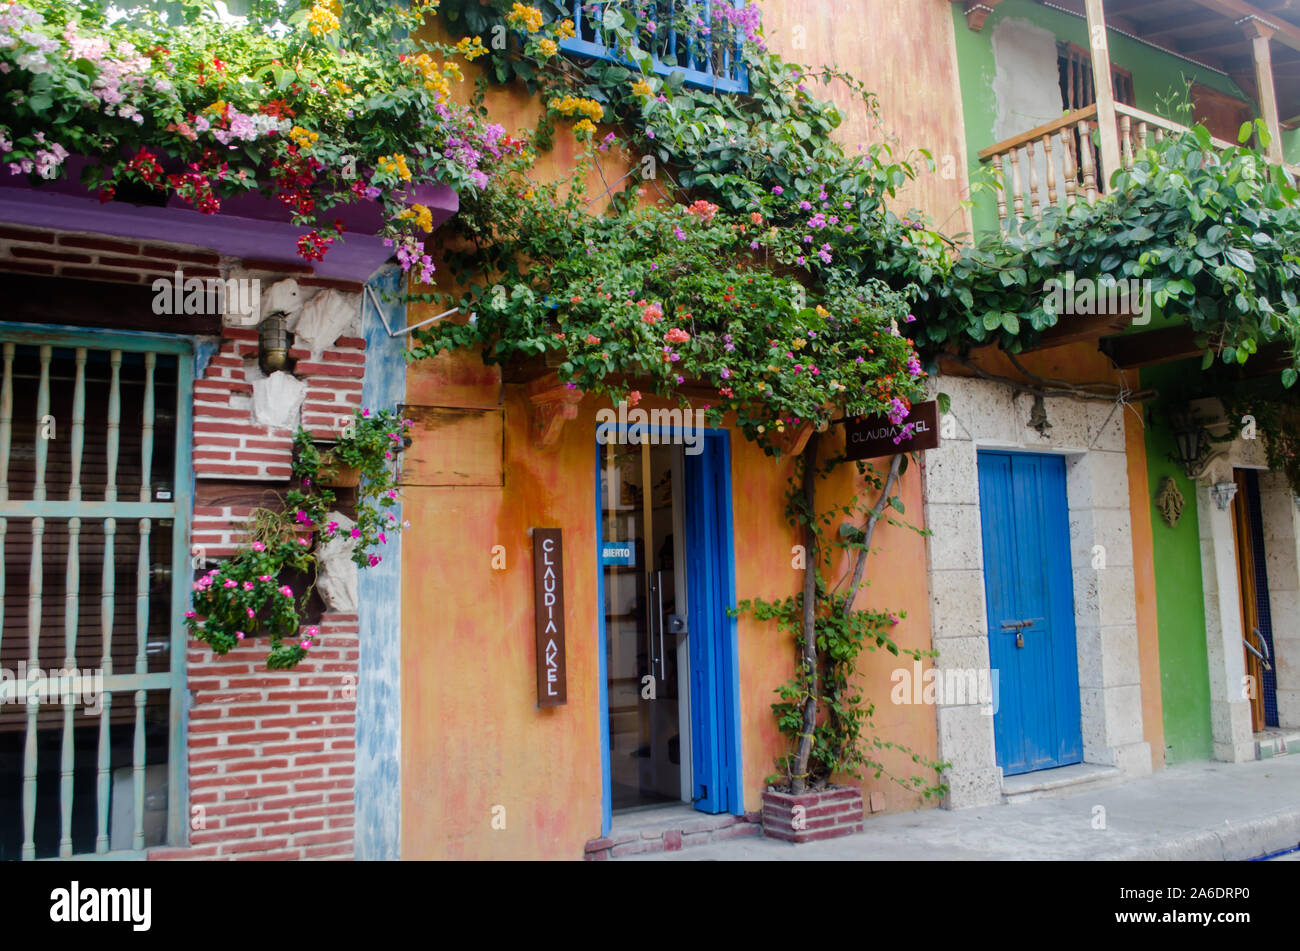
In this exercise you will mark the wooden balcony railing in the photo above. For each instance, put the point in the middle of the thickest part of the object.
(1058, 163)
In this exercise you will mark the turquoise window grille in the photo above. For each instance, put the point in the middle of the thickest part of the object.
(682, 41)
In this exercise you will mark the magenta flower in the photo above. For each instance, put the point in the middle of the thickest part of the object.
(263, 577)
(374, 560)
(356, 533)
(286, 591)
(306, 643)
(258, 546)
(189, 614)
(239, 635)
(250, 612)
(383, 538)
(231, 583)
(777, 190)
(303, 517)
(248, 586)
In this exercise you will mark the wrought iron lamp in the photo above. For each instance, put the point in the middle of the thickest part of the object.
(273, 343)
(1194, 453)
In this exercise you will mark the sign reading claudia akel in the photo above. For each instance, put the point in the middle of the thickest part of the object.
(869, 437)
(548, 592)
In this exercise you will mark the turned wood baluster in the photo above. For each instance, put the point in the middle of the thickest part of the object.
(1051, 169)
(1034, 200)
(1085, 154)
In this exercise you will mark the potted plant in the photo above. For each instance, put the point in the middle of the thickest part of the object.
(249, 593)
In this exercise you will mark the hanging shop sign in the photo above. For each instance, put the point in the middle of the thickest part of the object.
(548, 600)
(870, 437)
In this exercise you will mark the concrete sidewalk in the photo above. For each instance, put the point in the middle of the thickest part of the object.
(1198, 811)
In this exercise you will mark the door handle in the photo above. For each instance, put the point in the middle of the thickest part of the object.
(677, 624)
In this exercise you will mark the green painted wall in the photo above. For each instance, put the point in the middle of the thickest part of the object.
(1156, 75)
(1180, 604)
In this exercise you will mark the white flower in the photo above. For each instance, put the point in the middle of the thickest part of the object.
(163, 85)
(34, 62)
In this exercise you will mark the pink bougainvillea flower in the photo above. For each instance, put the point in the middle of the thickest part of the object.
(677, 335)
(286, 591)
(356, 533)
(263, 577)
(383, 538)
(231, 583)
(248, 586)
(250, 612)
(306, 643)
(303, 517)
(189, 614)
(239, 635)
(258, 546)
(374, 560)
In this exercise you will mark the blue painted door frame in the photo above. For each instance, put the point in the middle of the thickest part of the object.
(1027, 577)
(713, 640)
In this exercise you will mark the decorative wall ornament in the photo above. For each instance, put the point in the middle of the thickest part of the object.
(1169, 501)
(1222, 493)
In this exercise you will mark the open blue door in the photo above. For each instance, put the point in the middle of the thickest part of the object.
(714, 674)
(1030, 594)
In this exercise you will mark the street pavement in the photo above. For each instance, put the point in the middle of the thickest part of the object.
(1195, 811)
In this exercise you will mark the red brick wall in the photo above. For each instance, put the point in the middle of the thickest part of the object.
(271, 753)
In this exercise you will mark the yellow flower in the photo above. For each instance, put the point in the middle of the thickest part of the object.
(322, 20)
(217, 107)
(422, 215)
(525, 18)
(798, 343)
(567, 31)
(303, 138)
(643, 88)
(471, 48)
(583, 128)
(822, 311)
(573, 106)
(395, 165)
(342, 87)
(547, 47)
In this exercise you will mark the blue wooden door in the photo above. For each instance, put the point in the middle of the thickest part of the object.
(714, 673)
(1030, 595)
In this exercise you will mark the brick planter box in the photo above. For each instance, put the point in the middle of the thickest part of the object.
(813, 816)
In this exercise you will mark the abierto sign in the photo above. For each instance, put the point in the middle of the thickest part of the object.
(870, 437)
(548, 601)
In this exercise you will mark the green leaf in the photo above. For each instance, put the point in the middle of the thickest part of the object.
(945, 403)
(1010, 323)
(896, 503)
(1289, 377)
(1241, 258)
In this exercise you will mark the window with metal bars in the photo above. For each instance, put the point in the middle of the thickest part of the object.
(94, 506)
(681, 35)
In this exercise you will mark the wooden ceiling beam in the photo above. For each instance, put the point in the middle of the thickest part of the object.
(1154, 347)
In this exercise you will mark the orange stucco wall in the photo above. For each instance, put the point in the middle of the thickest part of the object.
(473, 738)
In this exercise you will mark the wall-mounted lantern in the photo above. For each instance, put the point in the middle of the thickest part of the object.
(1193, 440)
(273, 343)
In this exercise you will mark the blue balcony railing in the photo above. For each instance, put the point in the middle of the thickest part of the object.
(683, 40)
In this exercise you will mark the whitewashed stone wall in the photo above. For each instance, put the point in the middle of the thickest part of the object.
(1229, 708)
(985, 415)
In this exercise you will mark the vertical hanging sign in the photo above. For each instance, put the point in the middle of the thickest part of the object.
(548, 601)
